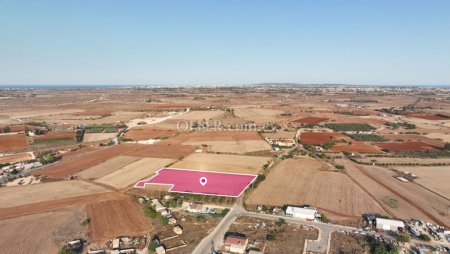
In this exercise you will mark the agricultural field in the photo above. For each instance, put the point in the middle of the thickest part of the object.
(435, 179)
(94, 137)
(310, 120)
(405, 146)
(227, 141)
(222, 136)
(414, 137)
(131, 173)
(309, 181)
(258, 115)
(279, 134)
(35, 193)
(321, 138)
(236, 147)
(53, 205)
(110, 219)
(59, 138)
(26, 235)
(200, 115)
(223, 163)
(161, 150)
(400, 200)
(143, 133)
(78, 151)
(404, 161)
(56, 135)
(16, 158)
(428, 117)
(187, 181)
(107, 167)
(354, 147)
(13, 142)
(350, 126)
(74, 165)
(443, 137)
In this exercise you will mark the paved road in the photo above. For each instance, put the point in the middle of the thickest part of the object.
(215, 238)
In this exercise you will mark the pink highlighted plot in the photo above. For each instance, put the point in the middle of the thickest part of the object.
(188, 181)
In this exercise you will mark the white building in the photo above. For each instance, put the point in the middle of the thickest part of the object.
(159, 207)
(302, 213)
(386, 224)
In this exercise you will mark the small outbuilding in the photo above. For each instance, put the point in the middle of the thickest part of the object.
(160, 250)
(178, 230)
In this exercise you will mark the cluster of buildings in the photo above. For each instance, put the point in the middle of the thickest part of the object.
(196, 207)
(123, 245)
(165, 212)
(281, 142)
(177, 229)
(11, 172)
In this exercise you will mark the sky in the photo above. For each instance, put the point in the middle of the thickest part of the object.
(218, 42)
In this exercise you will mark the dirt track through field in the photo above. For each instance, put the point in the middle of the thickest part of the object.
(308, 181)
(437, 220)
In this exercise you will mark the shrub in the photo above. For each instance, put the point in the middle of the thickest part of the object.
(280, 222)
(271, 237)
(367, 137)
(425, 237)
(404, 238)
(150, 212)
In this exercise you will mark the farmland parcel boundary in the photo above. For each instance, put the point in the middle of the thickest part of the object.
(146, 181)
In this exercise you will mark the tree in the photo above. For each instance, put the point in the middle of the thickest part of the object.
(447, 147)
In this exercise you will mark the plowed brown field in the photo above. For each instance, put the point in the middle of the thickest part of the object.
(56, 135)
(355, 147)
(405, 146)
(69, 167)
(13, 142)
(310, 120)
(320, 138)
(142, 133)
(110, 219)
(52, 205)
(15, 158)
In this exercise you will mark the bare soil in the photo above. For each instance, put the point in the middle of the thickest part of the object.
(13, 142)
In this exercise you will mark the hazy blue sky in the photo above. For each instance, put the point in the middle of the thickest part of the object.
(224, 42)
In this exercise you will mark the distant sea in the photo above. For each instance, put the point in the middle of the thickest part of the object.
(59, 86)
